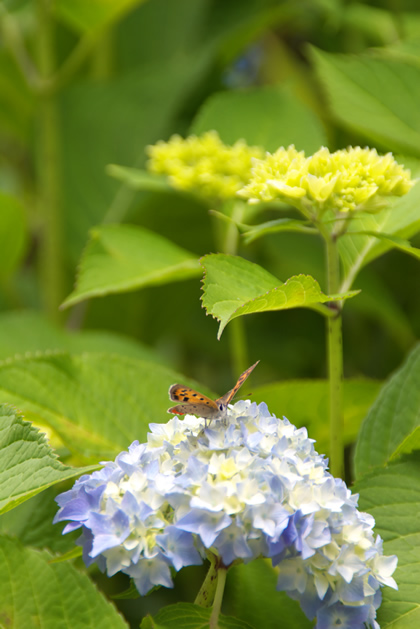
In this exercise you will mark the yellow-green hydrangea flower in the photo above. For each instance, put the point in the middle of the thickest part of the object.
(204, 165)
(344, 181)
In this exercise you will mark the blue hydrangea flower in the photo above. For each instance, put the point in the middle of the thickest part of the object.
(248, 486)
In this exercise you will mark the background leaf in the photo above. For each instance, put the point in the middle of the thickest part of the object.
(43, 592)
(25, 332)
(375, 97)
(189, 616)
(28, 463)
(252, 596)
(392, 496)
(392, 426)
(305, 403)
(96, 403)
(402, 219)
(121, 258)
(238, 115)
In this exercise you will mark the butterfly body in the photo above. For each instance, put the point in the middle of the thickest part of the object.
(195, 403)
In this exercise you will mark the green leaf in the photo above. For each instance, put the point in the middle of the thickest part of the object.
(121, 258)
(392, 496)
(23, 332)
(305, 403)
(96, 403)
(272, 227)
(139, 179)
(375, 97)
(233, 287)
(398, 222)
(393, 423)
(394, 241)
(12, 234)
(28, 463)
(189, 616)
(252, 596)
(88, 17)
(268, 116)
(35, 592)
(32, 523)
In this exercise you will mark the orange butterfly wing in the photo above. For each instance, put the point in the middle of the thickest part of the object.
(230, 394)
(191, 402)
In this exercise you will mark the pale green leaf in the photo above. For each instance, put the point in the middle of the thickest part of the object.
(392, 425)
(97, 404)
(305, 403)
(121, 258)
(28, 464)
(12, 233)
(398, 222)
(139, 179)
(267, 116)
(394, 241)
(252, 595)
(23, 332)
(392, 496)
(89, 17)
(379, 98)
(37, 593)
(189, 616)
(253, 232)
(233, 286)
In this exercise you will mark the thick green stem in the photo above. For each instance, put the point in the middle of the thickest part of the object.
(335, 361)
(217, 605)
(50, 252)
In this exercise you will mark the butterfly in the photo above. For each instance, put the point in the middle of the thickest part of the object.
(196, 403)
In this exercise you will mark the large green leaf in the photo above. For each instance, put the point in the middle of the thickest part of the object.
(121, 258)
(392, 426)
(28, 464)
(379, 98)
(96, 403)
(37, 593)
(392, 496)
(305, 403)
(233, 286)
(189, 616)
(24, 331)
(267, 116)
(401, 220)
(252, 596)
(12, 234)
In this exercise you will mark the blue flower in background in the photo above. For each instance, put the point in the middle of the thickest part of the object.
(249, 486)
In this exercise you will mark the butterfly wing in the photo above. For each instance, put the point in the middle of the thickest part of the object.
(193, 402)
(225, 400)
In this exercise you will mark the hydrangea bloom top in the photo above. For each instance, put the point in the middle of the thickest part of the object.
(252, 486)
(343, 181)
(204, 165)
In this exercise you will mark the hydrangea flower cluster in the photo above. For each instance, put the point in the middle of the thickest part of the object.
(204, 165)
(248, 486)
(344, 181)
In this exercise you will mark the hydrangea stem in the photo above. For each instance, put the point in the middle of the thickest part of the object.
(335, 360)
(217, 605)
(207, 592)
